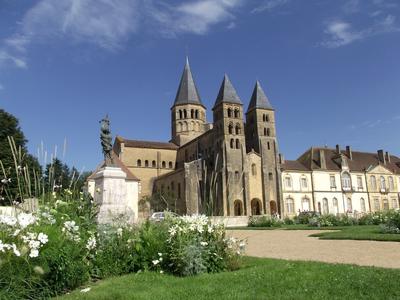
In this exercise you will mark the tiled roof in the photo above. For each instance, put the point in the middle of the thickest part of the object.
(227, 93)
(187, 90)
(259, 99)
(360, 161)
(293, 165)
(118, 163)
(147, 144)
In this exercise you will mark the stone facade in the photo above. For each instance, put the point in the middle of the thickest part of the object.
(232, 166)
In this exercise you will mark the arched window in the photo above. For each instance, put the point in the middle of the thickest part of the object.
(265, 131)
(163, 164)
(394, 203)
(335, 204)
(192, 126)
(192, 114)
(290, 205)
(288, 182)
(325, 206)
(391, 183)
(238, 129)
(349, 205)
(385, 204)
(185, 113)
(238, 208)
(237, 144)
(377, 205)
(362, 205)
(383, 183)
(197, 114)
(236, 113)
(255, 207)
(253, 169)
(170, 165)
(268, 146)
(229, 112)
(346, 181)
(153, 163)
(139, 163)
(180, 114)
(230, 129)
(232, 143)
(303, 182)
(305, 204)
(146, 163)
(185, 126)
(266, 118)
(268, 132)
(373, 183)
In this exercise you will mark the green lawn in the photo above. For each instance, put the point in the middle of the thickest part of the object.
(370, 232)
(287, 227)
(258, 279)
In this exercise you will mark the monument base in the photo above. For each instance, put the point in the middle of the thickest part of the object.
(112, 198)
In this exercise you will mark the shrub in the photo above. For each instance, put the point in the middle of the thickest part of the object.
(391, 223)
(304, 217)
(60, 248)
(265, 221)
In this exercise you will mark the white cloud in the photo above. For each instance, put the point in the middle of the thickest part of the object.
(6, 57)
(340, 33)
(268, 5)
(195, 17)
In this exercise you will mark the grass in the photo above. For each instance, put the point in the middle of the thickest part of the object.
(260, 278)
(359, 232)
(365, 232)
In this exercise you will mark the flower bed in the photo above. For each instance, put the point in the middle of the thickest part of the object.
(60, 248)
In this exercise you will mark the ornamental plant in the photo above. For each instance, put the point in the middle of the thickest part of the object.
(265, 221)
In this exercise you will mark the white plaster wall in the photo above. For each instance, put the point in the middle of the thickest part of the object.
(321, 180)
(132, 195)
(319, 196)
(296, 185)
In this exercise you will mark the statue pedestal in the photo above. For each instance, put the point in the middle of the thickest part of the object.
(112, 195)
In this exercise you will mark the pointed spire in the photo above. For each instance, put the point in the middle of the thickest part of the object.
(187, 90)
(259, 99)
(227, 93)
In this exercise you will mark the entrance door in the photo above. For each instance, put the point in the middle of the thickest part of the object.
(273, 208)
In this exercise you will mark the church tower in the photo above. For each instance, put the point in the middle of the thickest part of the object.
(188, 114)
(229, 141)
(261, 137)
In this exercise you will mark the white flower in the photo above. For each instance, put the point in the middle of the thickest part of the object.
(91, 243)
(4, 247)
(159, 254)
(203, 244)
(8, 220)
(43, 238)
(33, 244)
(34, 253)
(85, 290)
(24, 220)
(155, 262)
(16, 232)
(15, 250)
(119, 231)
(38, 270)
(161, 272)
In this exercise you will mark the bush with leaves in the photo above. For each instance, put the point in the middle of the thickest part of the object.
(392, 222)
(265, 221)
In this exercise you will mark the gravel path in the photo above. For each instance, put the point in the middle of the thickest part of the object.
(297, 245)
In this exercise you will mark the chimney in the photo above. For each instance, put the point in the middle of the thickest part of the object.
(281, 158)
(387, 157)
(349, 153)
(322, 158)
(338, 149)
(381, 157)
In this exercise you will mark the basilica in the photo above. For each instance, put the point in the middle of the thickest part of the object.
(233, 167)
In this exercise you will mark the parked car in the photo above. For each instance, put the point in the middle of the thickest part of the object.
(160, 216)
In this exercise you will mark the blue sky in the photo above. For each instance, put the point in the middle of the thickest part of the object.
(330, 68)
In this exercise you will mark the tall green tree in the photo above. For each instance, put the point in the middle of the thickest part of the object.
(16, 166)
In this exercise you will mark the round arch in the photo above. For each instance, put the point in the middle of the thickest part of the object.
(256, 207)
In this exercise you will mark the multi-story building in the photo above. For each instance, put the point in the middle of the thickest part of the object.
(232, 166)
